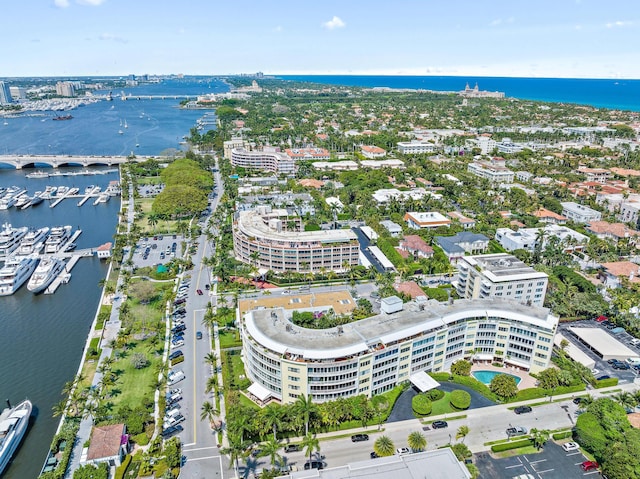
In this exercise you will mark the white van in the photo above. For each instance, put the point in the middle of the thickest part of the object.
(634, 361)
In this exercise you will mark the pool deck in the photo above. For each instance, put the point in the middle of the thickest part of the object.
(526, 381)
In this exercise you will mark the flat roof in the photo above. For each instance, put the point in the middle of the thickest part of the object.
(603, 343)
(423, 381)
(441, 464)
(273, 329)
(504, 267)
(575, 352)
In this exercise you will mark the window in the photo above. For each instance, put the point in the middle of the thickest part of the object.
(293, 370)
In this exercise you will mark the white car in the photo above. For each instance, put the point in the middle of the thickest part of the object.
(177, 344)
(403, 450)
(570, 446)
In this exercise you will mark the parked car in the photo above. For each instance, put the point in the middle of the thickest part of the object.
(179, 301)
(176, 354)
(571, 446)
(589, 466)
(172, 430)
(199, 291)
(516, 431)
(180, 327)
(291, 448)
(198, 334)
(522, 409)
(439, 424)
(603, 377)
(177, 344)
(359, 437)
(579, 400)
(313, 465)
(402, 450)
(373, 455)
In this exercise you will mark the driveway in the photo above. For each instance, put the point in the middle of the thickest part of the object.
(403, 411)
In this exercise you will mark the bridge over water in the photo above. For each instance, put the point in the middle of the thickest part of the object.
(20, 161)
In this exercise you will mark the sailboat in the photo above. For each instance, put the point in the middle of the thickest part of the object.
(125, 124)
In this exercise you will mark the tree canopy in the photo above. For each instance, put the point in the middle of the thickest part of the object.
(179, 200)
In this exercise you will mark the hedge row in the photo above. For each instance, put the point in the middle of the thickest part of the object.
(421, 405)
(122, 468)
(605, 383)
(562, 435)
(537, 393)
(468, 381)
(506, 446)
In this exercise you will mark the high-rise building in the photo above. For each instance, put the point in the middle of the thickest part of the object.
(500, 275)
(18, 92)
(65, 88)
(5, 94)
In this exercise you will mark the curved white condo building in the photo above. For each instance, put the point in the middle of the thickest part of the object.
(272, 240)
(269, 160)
(372, 355)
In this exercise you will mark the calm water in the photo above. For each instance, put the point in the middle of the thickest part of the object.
(43, 336)
(622, 94)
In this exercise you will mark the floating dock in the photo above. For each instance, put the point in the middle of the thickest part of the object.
(64, 276)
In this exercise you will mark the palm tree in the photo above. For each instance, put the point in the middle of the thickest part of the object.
(310, 443)
(236, 450)
(539, 436)
(384, 446)
(462, 432)
(306, 408)
(272, 416)
(208, 411)
(270, 449)
(211, 359)
(212, 383)
(59, 408)
(153, 219)
(417, 442)
(625, 399)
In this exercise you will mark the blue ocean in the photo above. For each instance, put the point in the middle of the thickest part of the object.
(616, 94)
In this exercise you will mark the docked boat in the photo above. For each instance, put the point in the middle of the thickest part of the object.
(33, 242)
(102, 198)
(36, 200)
(10, 198)
(22, 200)
(70, 247)
(58, 236)
(13, 425)
(15, 272)
(49, 192)
(48, 270)
(10, 239)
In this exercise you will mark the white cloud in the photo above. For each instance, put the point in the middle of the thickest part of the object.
(618, 24)
(278, 29)
(93, 3)
(335, 22)
(61, 3)
(113, 38)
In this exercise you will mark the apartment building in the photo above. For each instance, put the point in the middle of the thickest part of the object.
(415, 147)
(528, 238)
(274, 240)
(373, 355)
(500, 276)
(234, 143)
(431, 219)
(268, 159)
(493, 172)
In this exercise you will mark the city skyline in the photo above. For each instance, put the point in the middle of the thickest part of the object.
(569, 38)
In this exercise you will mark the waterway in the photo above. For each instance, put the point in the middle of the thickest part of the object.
(42, 336)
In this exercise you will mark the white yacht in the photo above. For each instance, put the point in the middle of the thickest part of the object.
(58, 237)
(13, 425)
(10, 239)
(33, 242)
(48, 270)
(15, 272)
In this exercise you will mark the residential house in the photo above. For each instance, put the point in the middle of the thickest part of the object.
(372, 152)
(456, 246)
(614, 274)
(430, 219)
(394, 229)
(612, 231)
(629, 212)
(579, 213)
(416, 246)
(547, 216)
(466, 223)
(108, 444)
(599, 175)
(528, 238)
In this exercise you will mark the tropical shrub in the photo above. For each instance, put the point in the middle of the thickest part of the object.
(460, 399)
(421, 405)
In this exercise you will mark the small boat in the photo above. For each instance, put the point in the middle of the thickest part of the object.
(13, 425)
(70, 247)
(45, 273)
(120, 132)
(125, 124)
(62, 117)
(38, 174)
(15, 272)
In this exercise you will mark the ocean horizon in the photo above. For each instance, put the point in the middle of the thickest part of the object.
(623, 94)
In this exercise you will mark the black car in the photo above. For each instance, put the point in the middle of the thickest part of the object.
(359, 437)
(176, 354)
(178, 328)
(313, 465)
(603, 377)
(579, 400)
(373, 455)
(439, 424)
(179, 301)
(522, 409)
(291, 448)
(170, 431)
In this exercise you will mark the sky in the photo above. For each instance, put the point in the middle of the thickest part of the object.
(526, 38)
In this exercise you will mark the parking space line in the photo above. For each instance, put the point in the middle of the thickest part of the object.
(515, 465)
(545, 471)
(198, 448)
(536, 462)
(203, 458)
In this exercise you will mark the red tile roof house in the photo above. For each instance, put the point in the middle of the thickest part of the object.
(547, 216)
(373, 151)
(462, 219)
(108, 444)
(613, 231)
(613, 274)
(416, 246)
(409, 287)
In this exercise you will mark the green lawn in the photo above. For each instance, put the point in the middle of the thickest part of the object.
(149, 180)
(442, 406)
(229, 339)
(134, 385)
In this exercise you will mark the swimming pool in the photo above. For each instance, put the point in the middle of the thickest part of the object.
(485, 377)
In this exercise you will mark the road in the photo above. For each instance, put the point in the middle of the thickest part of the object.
(199, 442)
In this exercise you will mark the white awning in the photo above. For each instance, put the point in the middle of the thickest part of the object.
(259, 391)
(515, 362)
(483, 357)
(423, 381)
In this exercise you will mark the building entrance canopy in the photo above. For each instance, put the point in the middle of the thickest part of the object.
(423, 381)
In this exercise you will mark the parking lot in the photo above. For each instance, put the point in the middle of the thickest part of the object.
(602, 367)
(552, 462)
(154, 250)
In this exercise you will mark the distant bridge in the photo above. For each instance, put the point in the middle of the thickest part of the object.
(20, 161)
